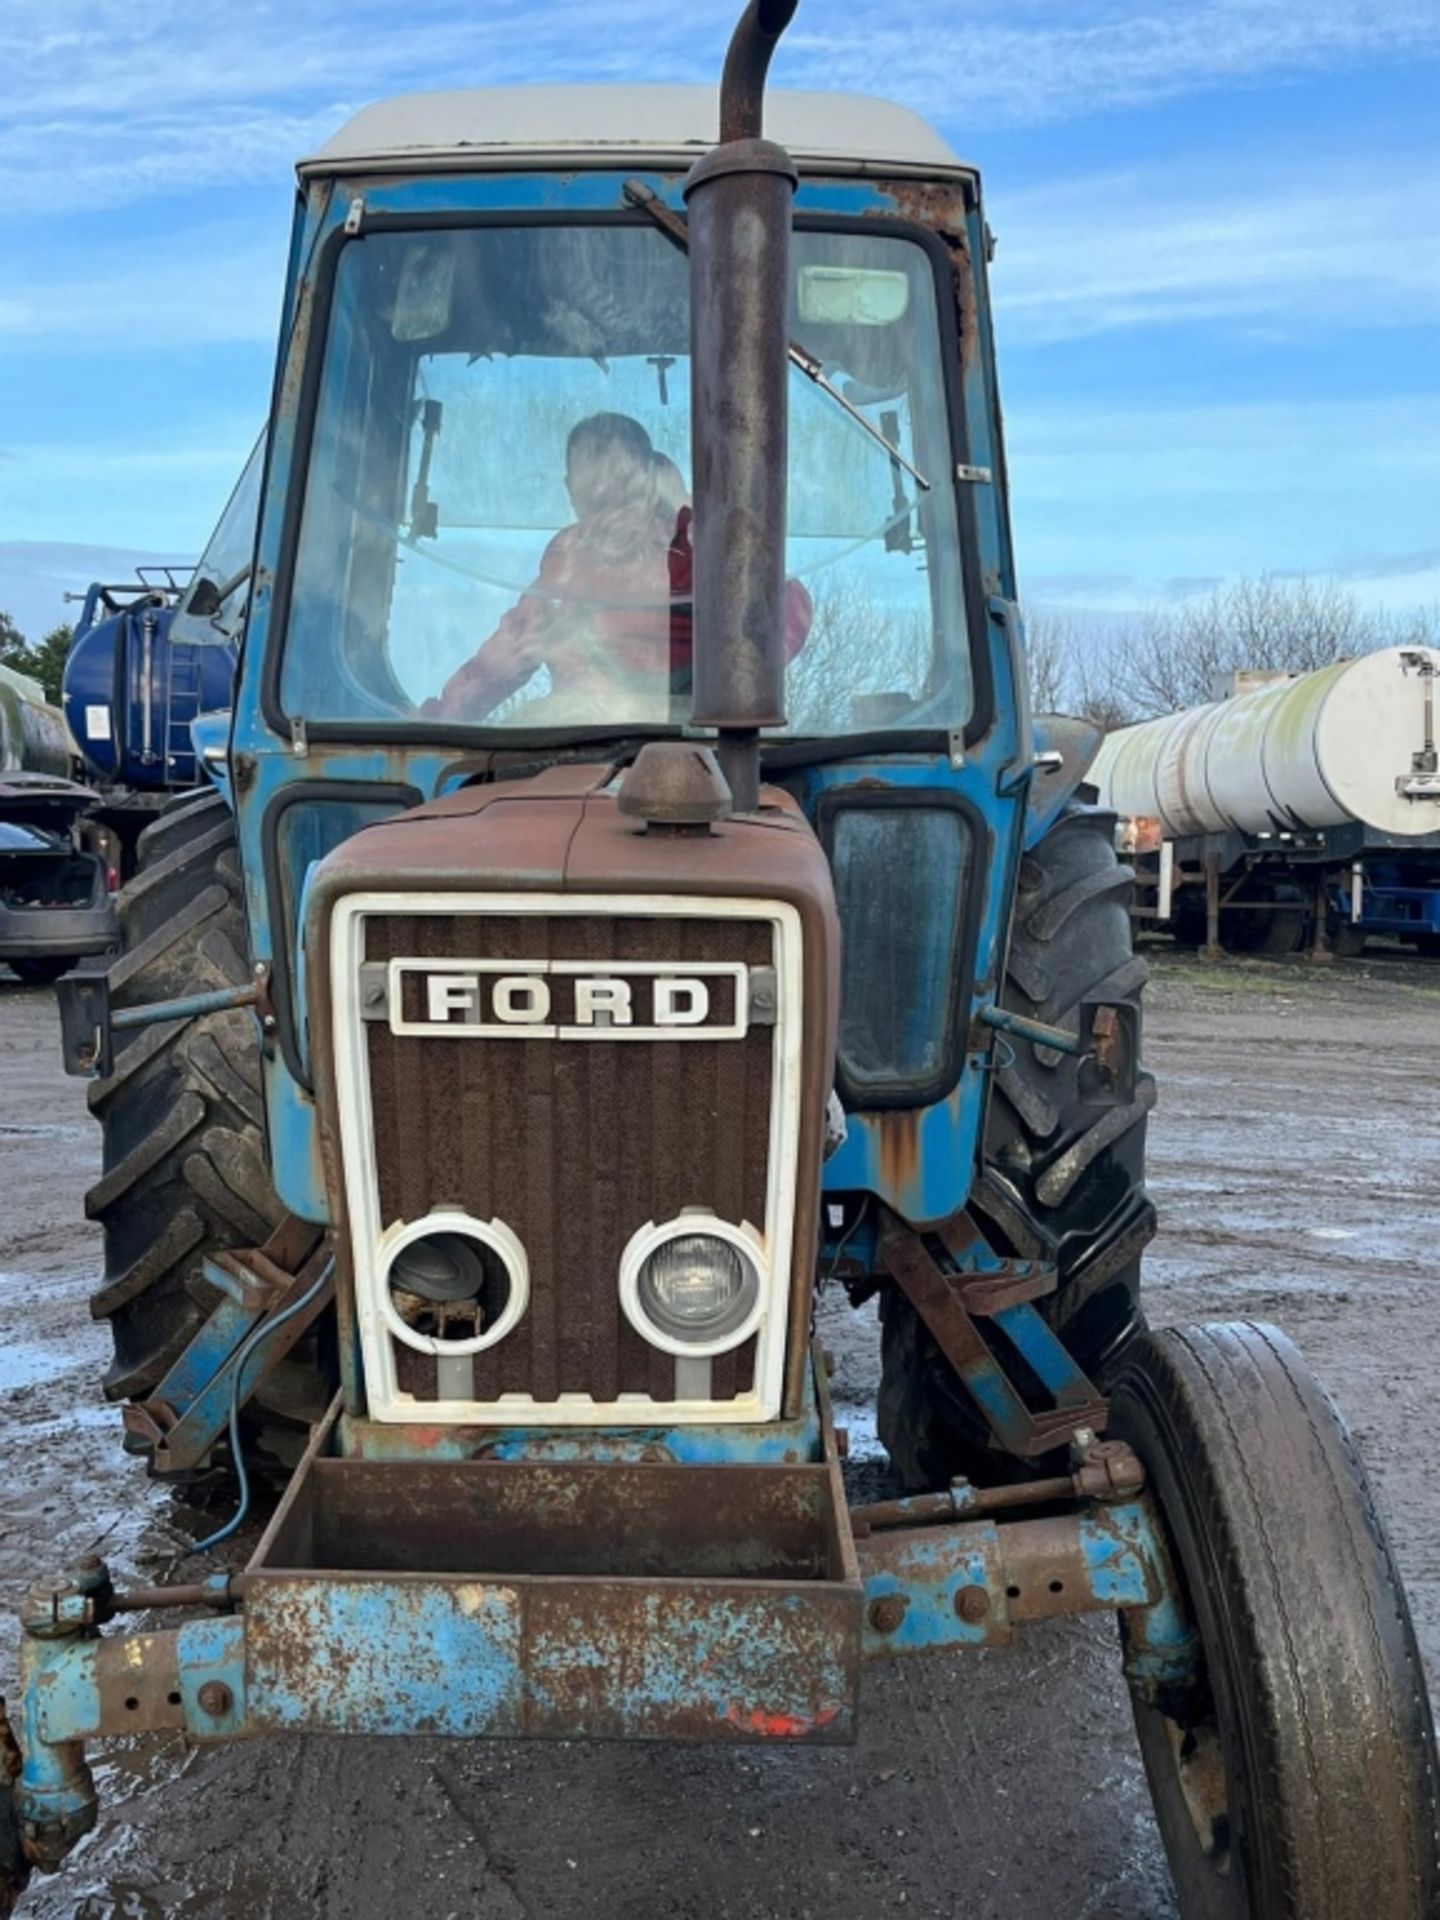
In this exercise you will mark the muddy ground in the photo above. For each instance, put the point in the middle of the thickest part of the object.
(1295, 1158)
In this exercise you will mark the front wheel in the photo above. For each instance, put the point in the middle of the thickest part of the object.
(1297, 1779)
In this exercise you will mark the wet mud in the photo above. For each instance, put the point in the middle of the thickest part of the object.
(1294, 1158)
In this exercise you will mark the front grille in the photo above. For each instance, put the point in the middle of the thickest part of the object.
(575, 1144)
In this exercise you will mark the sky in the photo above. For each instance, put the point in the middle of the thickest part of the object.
(1217, 283)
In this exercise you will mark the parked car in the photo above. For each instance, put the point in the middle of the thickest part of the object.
(56, 903)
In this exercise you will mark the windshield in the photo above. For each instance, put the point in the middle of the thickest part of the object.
(496, 525)
(213, 605)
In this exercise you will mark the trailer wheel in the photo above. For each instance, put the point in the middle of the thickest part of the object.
(1296, 1780)
(1274, 933)
(185, 1169)
(1062, 1181)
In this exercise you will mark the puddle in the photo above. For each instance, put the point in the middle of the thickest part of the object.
(23, 1365)
(859, 1423)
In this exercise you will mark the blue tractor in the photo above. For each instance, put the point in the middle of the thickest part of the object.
(633, 887)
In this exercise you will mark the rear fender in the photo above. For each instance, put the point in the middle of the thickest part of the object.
(1065, 747)
(210, 733)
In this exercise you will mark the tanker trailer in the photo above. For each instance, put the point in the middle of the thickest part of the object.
(1299, 806)
(33, 738)
(54, 898)
(150, 658)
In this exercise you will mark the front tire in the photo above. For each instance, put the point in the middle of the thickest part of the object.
(1297, 1779)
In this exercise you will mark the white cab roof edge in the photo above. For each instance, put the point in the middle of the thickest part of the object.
(602, 126)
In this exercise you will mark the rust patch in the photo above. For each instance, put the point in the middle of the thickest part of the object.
(138, 1680)
(898, 1141)
(939, 204)
(292, 377)
(576, 1519)
(941, 207)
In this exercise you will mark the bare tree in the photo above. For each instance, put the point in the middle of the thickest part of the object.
(1073, 667)
(1051, 648)
(1099, 693)
(1413, 626)
(1178, 653)
(862, 654)
(863, 662)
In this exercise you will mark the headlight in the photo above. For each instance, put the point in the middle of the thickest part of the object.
(693, 1292)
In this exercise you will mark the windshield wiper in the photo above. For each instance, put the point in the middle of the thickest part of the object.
(671, 223)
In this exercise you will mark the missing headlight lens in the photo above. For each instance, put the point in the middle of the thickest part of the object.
(697, 1287)
(449, 1286)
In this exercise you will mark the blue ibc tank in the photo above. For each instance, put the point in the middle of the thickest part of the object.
(131, 691)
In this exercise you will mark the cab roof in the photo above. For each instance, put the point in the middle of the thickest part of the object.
(600, 126)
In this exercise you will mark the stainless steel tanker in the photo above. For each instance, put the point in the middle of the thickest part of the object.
(33, 734)
(1353, 741)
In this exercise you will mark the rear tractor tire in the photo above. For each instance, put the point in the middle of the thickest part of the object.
(1296, 1779)
(1063, 1181)
(185, 1169)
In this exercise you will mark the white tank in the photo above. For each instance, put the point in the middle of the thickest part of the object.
(1317, 751)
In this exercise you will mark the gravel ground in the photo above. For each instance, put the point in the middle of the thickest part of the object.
(1294, 1159)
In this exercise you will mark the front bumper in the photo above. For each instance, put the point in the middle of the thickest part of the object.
(568, 1598)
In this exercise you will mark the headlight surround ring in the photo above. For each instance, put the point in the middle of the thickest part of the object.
(636, 1290)
(496, 1238)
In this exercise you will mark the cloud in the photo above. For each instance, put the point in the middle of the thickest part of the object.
(1191, 586)
(36, 575)
(108, 102)
(124, 490)
(59, 166)
(1080, 586)
(246, 91)
(1385, 567)
(1078, 257)
(1126, 250)
(1342, 488)
(1339, 447)
(1026, 64)
(206, 286)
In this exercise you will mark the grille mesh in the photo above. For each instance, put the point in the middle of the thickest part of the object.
(575, 1144)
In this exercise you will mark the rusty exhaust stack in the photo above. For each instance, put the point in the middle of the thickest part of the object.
(739, 201)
